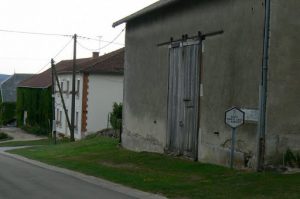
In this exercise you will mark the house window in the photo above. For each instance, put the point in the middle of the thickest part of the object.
(56, 88)
(60, 115)
(68, 87)
(57, 115)
(62, 86)
(67, 124)
(76, 120)
(78, 87)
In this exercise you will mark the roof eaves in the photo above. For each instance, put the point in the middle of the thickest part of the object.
(117, 73)
(4, 82)
(69, 72)
(41, 87)
(150, 8)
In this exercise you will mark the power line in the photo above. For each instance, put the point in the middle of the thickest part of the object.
(22, 58)
(64, 47)
(34, 33)
(109, 43)
(54, 34)
(43, 67)
(65, 35)
(89, 38)
(113, 40)
(86, 48)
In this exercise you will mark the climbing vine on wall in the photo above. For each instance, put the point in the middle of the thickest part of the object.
(37, 103)
(7, 112)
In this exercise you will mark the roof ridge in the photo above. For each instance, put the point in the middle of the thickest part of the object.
(108, 55)
(33, 76)
(12, 76)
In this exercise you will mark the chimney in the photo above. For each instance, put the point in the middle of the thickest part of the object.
(95, 55)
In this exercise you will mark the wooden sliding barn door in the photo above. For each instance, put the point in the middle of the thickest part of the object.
(183, 98)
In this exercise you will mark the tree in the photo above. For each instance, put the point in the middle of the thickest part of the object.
(116, 116)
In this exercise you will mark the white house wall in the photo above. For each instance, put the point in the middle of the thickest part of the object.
(103, 91)
(62, 127)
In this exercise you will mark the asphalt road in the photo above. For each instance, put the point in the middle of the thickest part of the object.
(20, 180)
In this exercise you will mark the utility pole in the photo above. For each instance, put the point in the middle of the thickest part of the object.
(73, 91)
(53, 102)
(263, 89)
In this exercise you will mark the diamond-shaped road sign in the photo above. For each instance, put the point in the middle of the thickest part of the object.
(234, 117)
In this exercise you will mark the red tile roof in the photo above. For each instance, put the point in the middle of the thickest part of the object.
(111, 63)
(42, 80)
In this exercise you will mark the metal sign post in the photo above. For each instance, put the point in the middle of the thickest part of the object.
(234, 118)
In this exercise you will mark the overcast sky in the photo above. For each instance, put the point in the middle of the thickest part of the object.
(23, 53)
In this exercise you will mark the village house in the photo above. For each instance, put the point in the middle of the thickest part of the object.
(99, 83)
(34, 108)
(8, 97)
(188, 61)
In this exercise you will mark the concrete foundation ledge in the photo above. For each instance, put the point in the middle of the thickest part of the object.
(136, 142)
(221, 156)
(90, 179)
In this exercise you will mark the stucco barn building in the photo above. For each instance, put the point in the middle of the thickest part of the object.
(188, 61)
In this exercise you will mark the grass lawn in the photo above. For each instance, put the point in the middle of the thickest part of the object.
(31, 143)
(157, 173)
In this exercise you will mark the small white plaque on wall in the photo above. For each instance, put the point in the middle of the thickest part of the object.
(251, 115)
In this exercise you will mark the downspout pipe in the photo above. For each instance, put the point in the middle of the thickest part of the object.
(263, 89)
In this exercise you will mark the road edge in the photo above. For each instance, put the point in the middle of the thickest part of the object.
(87, 178)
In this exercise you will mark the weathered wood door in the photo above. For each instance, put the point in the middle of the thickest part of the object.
(183, 98)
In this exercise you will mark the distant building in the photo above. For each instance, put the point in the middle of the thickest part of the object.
(3, 77)
(188, 61)
(8, 98)
(99, 83)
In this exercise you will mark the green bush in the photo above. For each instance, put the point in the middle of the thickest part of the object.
(298, 159)
(7, 112)
(4, 136)
(291, 159)
(36, 130)
(116, 116)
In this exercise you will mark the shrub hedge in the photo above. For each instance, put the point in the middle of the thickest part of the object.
(116, 116)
